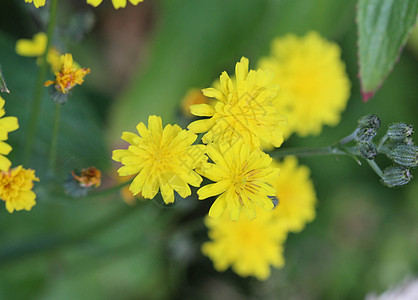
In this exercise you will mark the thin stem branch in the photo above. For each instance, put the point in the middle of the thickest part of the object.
(54, 139)
(375, 167)
(39, 88)
(308, 152)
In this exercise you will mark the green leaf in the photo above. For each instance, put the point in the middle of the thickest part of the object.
(383, 28)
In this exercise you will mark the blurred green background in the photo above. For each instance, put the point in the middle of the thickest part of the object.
(143, 61)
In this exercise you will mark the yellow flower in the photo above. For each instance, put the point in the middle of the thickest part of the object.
(7, 124)
(37, 3)
(16, 188)
(164, 158)
(241, 177)
(296, 195)
(36, 48)
(314, 87)
(249, 246)
(116, 3)
(245, 109)
(69, 75)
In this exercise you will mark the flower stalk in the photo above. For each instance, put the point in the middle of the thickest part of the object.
(39, 88)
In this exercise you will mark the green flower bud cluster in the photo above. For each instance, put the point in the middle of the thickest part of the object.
(364, 134)
(402, 150)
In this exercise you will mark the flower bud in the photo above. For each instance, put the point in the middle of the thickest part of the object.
(396, 176)
(367, 128)
(405, 155)
(367, 150)
(371, 121)
(400, 131)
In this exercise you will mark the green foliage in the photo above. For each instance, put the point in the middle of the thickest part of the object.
(383, 28)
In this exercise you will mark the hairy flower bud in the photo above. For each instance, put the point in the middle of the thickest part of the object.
(405, 155)
(367, 150)
(400, 131)
(396, 176)
(367, 128)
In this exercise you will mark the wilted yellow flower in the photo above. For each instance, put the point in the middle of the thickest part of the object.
(116, 3)
(37, 3)
(36, 48)
(296, 195)
(245, 109)
(241, 177)
(314, 87)
(249, 246)
(7, 124)
(164, 158)
(16, 188)
(69, 75)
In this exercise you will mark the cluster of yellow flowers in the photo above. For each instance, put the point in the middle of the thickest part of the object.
(299, 88)
(302, 82)
(15, 184)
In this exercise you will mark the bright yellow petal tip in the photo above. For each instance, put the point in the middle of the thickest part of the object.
(116, 3)
(16, 188)
(37, 3)
(244, 109)
(314, 86)
(163, 159)
(7, 124)
(33, 48)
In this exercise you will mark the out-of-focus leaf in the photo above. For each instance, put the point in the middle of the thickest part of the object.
(383, 28)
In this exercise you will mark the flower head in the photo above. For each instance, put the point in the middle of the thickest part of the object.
(314, 87)
(164, 158)
(241, 177)
(69, 75)
(7, 124)
(296, 195)
(16, 188)
(249, 246)
(37, 3)
(245, 109)
(116, 3)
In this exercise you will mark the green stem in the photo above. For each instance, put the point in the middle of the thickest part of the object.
(375, 167)
(39, 88)
(307, 152)
(54, 140)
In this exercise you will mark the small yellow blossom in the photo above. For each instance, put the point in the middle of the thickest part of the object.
(193, 97)
(296, 195)
(245, 109)
(16, 188)
(37, 3)
(69, 75)
(7, 124)
(249, 246)
(36, 48)
(116, 3)
(241, 177)
(314, 87)
(163, 158)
